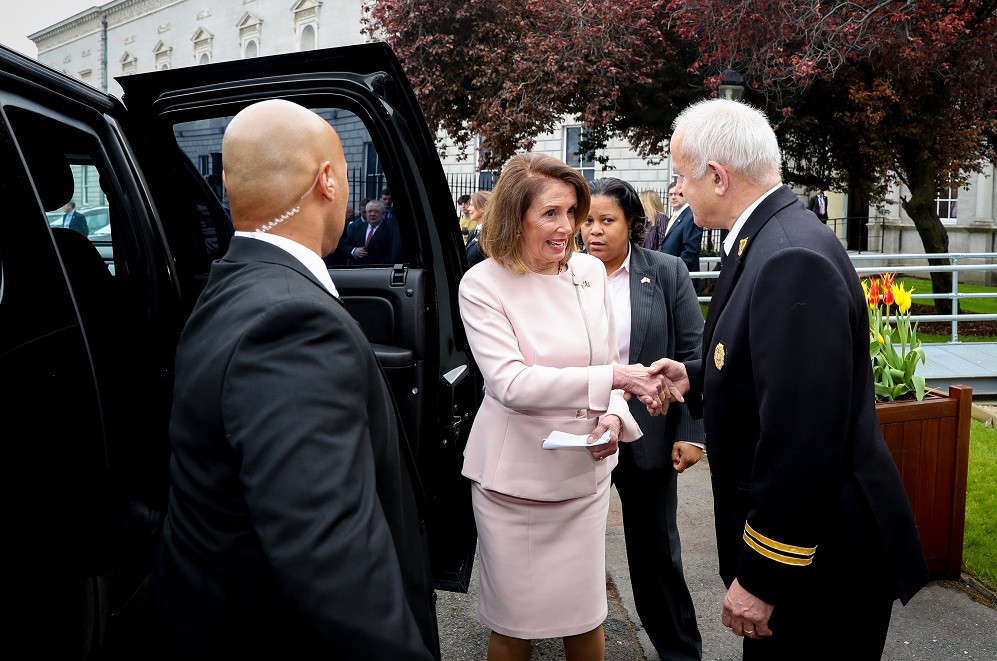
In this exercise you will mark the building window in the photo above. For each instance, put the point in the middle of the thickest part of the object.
(946, 203)
(584, 163)
(202, 46)
(373, 172)
(306, 23)
(129, 64)
(250, 28)
(86, 76)
(163, 55)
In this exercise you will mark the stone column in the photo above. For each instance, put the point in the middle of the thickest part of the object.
(985, 195)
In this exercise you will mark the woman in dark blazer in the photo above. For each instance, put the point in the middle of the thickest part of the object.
(657, 314)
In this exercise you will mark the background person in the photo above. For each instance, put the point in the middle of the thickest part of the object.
(654, 212)
(818, 204)
(476, 207)
(814, 531)
(376, 241)
(683, 237)
(292, 530)
(539, 322)
(74, 220)
(656, 314)
(463, 216)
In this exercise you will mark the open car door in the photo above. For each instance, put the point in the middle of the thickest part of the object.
(406, 301)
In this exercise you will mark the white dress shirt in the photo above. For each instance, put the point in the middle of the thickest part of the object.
(308, 259)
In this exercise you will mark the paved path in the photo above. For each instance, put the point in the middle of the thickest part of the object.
(942, 622)
(973, 364)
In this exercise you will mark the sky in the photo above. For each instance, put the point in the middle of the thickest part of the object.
(19, 18)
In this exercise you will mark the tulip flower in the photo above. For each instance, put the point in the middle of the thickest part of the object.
(893, 365)
(888, 288)
(874, 294)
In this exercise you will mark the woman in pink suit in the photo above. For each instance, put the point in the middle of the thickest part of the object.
(540, 324)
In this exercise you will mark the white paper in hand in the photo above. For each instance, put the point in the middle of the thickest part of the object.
(557, 440)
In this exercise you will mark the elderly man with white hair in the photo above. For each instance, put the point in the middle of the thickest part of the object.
(814, 531)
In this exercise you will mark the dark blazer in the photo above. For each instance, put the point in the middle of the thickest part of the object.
(665, 322)
(656, 232)
(473, 252)
(795, 450)
(814, 206)
(77, 222)
(292, 529)
(385, 246)
(684, 240)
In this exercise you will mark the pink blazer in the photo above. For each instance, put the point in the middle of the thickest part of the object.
(545, 345)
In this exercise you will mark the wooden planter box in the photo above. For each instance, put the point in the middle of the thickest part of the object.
(929, 440)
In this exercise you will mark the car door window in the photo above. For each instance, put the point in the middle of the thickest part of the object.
(374, 243)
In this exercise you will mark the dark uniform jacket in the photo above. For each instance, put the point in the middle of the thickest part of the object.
(803, 481)
(292, 529)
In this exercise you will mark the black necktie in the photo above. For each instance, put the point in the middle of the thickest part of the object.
(723, 254)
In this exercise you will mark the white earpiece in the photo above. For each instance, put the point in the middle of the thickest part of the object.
(328, 182)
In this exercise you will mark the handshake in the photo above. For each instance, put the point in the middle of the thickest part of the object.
(656, 386)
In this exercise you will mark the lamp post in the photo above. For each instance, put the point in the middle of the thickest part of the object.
(731, 85)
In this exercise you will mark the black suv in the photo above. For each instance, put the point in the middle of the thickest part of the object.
(89, 325)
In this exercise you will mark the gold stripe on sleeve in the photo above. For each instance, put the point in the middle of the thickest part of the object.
(778, 546)
(778, 557)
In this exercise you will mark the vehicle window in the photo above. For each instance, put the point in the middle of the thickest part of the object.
(374, 241)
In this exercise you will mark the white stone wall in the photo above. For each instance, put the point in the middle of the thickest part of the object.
(138, 27)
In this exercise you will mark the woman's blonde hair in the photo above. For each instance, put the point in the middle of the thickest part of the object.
(652, 205)
(480, 199)
(525, 176)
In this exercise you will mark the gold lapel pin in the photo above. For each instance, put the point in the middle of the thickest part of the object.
(719, 355)
(742, 245)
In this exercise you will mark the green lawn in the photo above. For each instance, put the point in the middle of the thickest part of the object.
(977, 305)
(979, 550)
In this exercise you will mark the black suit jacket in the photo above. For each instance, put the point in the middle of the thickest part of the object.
(473, 251)
(385, 246)
(665, 322)
(78, 223)
(796, 455)
(814, 206)
(684, 240)
(292, 529)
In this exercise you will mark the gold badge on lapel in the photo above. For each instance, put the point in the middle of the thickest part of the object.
(719, 355)
(742, 245)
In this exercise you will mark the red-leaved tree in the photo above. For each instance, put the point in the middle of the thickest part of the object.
(509, 71)
(907, 91)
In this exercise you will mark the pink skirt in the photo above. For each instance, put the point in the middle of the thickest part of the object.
(542, 564)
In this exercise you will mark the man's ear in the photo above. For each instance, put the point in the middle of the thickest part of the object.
(327, 183)
(720, 177)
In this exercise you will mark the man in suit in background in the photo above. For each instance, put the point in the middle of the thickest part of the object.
(818, 204)
(376, 241)
(75, 220)
(814, 531)
(292, 529)
(683, 237)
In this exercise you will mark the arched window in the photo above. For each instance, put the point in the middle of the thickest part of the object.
(250, 30)
(308, 37)
(204, 59)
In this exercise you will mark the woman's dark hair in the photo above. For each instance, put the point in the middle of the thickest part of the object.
(629, 201)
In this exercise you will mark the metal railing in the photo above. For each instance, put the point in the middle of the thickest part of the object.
(954, 268)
